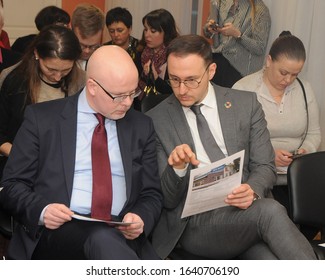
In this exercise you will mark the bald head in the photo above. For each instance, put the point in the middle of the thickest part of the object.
(114, 68)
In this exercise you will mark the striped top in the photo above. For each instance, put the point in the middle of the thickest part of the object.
(246, 53)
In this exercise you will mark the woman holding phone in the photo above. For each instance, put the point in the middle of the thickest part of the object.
(239, 30)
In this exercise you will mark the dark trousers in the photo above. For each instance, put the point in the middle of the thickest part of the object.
(80, 240)
(226, 75)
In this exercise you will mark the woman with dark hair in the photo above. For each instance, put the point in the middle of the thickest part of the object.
(119, 26)
(47, 71)
(159, 30)
(289, 105)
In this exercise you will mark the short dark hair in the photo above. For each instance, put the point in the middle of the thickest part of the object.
(191, 44)
(51, 15)
(289, 46)
(119, 14)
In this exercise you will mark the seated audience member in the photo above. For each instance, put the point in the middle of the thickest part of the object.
(119, 26)
(88, 23)
(239, 30)
(292, 120)
(159, 29)
(54, 171)
(47, 16)
(47, 71)
(251, 226)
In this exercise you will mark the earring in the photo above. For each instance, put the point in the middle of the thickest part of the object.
(36, 58)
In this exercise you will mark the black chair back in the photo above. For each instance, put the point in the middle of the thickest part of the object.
(306, 181)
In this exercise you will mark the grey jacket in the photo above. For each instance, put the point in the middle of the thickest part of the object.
(243, 126)
(246, 53)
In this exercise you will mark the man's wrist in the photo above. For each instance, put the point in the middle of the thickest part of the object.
(256, 196)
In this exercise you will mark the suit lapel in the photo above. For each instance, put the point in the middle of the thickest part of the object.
(226, 109)
(68, 129)
(124, 135)
(180, 123)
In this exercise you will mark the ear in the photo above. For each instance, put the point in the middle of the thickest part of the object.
(91, 87)
(268, 61)
(36, 54)
(212, 70)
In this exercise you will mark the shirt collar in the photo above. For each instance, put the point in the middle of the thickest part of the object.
(83, 105)
(210, 99)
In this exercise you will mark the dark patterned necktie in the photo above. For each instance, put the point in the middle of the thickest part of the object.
(102, 178)
(209, 143)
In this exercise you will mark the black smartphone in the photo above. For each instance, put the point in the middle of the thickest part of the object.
(295, 156)
(215, 26)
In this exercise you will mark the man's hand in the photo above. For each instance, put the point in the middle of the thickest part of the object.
(182, 155)
(56, 215)
(134, 230)
(241, 197)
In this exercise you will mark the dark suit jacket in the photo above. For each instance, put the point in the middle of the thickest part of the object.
(40, 169)
(9, 58)
(22, 43)
(243, 127)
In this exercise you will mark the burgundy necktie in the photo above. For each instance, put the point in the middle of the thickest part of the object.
(102, 178)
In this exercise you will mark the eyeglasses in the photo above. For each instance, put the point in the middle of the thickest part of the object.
(190, 83)
(90, 47)
(118, 99)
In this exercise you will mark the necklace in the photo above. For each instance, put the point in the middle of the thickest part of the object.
(53, 85)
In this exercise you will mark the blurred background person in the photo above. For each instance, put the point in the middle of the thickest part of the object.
(119, 26)
(88, 22)
(159, 30)
(239, 30)
(290, 109)
(47, 16)
(47, 71)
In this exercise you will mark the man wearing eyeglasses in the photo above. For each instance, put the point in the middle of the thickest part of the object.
(88, 23)
(251, 226)
(50, 174)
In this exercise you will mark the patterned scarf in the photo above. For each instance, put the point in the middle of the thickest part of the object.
(158, 58)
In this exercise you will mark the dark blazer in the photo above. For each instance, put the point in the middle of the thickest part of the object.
(244, 128)
(40, 169)
(9, 58)
(21, 44)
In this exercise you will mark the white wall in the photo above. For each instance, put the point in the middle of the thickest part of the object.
(20, 14)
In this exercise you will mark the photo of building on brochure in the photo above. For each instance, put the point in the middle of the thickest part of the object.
(215, 175)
